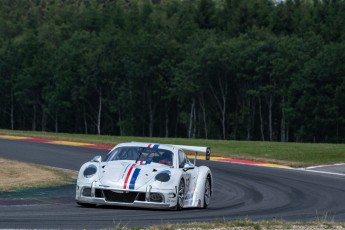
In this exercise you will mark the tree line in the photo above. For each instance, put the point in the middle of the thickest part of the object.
(224, 69)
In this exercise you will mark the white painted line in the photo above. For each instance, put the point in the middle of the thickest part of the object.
(323, 172)
(322, 166)
(308, 169)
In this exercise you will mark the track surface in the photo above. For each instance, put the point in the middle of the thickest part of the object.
(240, 191)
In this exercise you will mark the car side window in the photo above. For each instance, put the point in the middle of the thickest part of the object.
(182, 158)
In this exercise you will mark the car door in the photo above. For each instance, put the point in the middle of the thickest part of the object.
(187, 175)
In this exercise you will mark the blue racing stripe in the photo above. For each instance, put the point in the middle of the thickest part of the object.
(134, 178)
(155, 146)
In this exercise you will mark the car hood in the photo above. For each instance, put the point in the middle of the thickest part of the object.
(128, 175)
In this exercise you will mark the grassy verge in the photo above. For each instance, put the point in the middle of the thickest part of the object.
(19, 175)
(248, 225)
(292, 154)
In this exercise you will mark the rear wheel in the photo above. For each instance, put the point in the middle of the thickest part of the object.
(207, 193)
(180, 195)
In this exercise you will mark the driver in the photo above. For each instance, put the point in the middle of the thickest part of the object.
(166, 159)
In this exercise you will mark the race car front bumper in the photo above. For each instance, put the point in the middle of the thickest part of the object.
(151, 198)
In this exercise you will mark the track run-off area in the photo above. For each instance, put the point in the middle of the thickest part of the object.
(241, 191)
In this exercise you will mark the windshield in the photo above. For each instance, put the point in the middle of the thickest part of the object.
(141, 154)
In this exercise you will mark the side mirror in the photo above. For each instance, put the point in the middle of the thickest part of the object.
(188, 166)
(97, 159)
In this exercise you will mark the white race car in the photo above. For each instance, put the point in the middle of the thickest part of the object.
(146, 175)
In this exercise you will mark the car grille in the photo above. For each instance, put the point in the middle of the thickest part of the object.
(111, 196)
(99, 193)
(127, 197)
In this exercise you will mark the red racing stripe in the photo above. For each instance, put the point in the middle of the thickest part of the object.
(107, 147)
(127, 177)
(247, 162)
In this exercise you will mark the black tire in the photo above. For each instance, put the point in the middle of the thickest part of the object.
(180, 195)
(86, 205)
(207, 192)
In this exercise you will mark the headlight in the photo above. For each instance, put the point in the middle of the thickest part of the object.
(90, 171)
(163, 176)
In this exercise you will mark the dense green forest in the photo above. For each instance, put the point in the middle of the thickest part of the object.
(228, 69)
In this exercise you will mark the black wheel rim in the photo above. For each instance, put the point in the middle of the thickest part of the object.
(207, 192)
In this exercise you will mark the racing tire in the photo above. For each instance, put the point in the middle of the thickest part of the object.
(180, 195)
(207, 192)
(86, 205)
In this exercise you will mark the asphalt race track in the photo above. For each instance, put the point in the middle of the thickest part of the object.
(240, 192)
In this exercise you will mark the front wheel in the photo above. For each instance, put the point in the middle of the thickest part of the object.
(180, 195)
(207, 193)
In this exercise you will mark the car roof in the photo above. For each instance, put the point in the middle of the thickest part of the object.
(148, 145)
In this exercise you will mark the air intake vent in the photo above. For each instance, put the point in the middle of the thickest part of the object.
(119, 197)
(86, 192)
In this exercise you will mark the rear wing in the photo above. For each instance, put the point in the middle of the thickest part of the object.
(196, 149)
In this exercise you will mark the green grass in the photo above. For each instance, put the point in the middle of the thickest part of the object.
(245, 225)
(16, 175)
(292, 154)
(249, 225)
